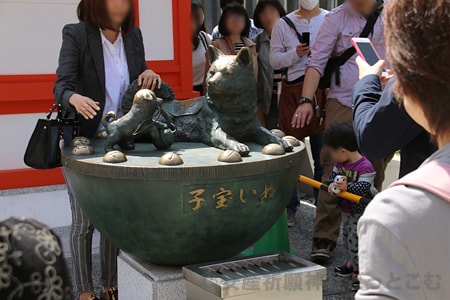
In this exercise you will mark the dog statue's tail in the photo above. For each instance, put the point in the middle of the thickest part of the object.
(108, 117)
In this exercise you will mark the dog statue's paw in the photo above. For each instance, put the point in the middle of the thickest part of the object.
(127, 146)
(242, 149)
(287, 146)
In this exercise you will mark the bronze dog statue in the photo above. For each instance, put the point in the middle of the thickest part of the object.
(228, 117)
(138, 119)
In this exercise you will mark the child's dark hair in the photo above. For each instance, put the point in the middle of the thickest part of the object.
(340, 135)
(234, 8)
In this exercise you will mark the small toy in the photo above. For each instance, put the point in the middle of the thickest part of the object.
(338, 179)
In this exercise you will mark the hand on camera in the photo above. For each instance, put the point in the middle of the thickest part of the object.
(85, 106)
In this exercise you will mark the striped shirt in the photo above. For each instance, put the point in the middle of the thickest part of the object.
(238, 47)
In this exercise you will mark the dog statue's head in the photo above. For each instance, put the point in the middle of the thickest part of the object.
(165, 93)
(231, 80)
(144, 95)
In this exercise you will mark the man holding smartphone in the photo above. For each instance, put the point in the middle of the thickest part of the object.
(334, 38)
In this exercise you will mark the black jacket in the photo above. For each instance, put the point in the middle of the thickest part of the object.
(382, 126)
(81, 68)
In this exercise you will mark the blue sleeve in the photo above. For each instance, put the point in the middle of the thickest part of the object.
(381, 125)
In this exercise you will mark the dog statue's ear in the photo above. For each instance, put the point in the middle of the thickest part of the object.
(244, 57)
(214, 54)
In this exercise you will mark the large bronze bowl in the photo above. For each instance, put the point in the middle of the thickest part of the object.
(197, 212)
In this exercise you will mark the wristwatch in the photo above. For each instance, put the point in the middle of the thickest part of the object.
(304, 100)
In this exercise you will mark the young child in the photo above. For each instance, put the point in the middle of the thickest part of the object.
(356, 175)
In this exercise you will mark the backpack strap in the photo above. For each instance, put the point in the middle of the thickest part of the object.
(292, 25)
(434, 177)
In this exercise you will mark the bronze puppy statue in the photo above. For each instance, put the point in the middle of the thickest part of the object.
(138, 119)
(228, 117)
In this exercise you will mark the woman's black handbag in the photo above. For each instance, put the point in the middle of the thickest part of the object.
(49, 136)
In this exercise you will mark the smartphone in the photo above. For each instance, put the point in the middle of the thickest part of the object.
(306, 38)
(366, 50)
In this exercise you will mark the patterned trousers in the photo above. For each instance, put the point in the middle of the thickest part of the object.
(81, 248)
(350, 236)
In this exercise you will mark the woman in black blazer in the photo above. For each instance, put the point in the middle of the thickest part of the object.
(99, 58)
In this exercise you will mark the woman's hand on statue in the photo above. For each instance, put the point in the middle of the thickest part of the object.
(85, 106)
(149, 80)
(302, 116)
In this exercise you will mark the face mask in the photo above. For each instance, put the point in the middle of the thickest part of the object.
(308, 4)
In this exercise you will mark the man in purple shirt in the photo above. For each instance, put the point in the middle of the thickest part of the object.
(334, 37)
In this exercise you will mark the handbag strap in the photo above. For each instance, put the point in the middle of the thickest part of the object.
(60, 120)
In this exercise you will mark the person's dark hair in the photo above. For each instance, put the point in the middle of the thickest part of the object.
(418, 42)
(94, 12)
(196, 7)
(224, 3)
(262, 4)
(234, 8)
(340, 135)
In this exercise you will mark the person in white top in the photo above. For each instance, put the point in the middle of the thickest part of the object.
(289, 50)
(200, 42)
(286, 51)
(117, 78)
(99, 57)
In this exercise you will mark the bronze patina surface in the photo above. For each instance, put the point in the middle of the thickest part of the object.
(201, 211)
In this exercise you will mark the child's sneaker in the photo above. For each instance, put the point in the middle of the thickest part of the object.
(346, 270)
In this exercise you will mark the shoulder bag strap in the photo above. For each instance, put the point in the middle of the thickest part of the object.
(344, 57)
(368, 29)
(299, 36)
(292, 25)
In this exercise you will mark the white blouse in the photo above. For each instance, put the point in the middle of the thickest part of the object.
(117, 77)
(199, 59)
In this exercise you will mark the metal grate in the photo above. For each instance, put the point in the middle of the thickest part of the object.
(245, 268)
(227, 279)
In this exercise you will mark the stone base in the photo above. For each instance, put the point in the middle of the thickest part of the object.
(142, 281)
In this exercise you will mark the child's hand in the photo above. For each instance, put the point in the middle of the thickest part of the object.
(342, 184)
(330, 189)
